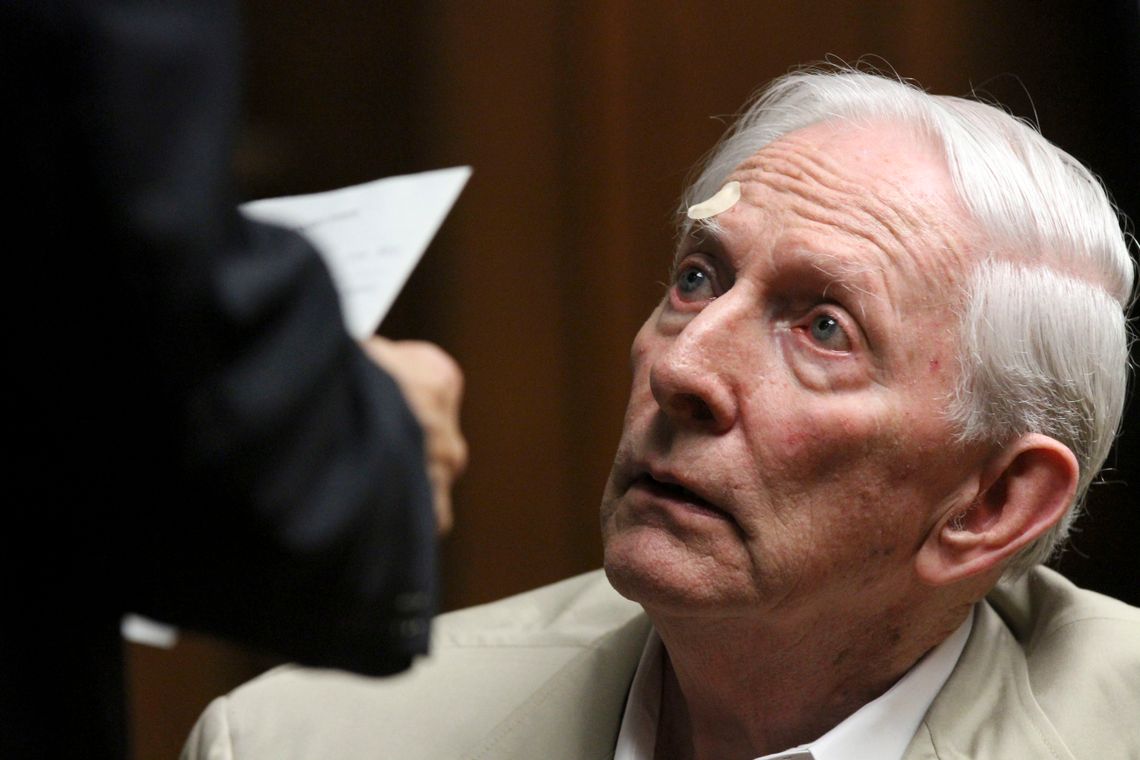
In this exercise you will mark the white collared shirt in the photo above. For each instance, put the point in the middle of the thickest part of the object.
(879, 730)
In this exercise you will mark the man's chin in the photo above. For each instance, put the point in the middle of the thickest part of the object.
(660, 575)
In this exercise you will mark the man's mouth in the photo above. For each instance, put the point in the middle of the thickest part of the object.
(675, 492)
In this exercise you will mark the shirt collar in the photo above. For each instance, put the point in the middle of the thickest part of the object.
(879, 730)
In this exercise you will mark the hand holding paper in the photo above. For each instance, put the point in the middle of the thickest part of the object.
(371, 237)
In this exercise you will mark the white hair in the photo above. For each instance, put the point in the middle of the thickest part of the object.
(1044, 338)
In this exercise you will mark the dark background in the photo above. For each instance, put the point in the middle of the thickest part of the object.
(581, 120)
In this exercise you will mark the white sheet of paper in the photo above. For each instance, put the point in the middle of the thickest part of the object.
(371, 236)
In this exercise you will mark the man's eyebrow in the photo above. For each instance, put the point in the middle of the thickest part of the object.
(699, 236)
(854, 278)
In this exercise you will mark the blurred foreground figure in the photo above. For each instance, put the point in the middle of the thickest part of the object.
(891, 360)
(194, 435)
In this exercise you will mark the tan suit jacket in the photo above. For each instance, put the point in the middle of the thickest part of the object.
(1049, 671)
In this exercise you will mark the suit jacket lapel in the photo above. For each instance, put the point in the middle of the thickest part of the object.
(987, 708)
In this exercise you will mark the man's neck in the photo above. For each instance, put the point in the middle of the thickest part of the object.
(744, 689)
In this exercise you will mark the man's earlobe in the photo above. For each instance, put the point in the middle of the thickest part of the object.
(1024, 491)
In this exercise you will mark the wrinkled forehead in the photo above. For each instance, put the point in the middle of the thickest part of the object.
(885, 153)
(879, 185)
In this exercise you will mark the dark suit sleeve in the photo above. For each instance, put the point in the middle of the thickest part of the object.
(200, 440)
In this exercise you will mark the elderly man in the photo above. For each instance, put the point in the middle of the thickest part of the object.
(890, 362)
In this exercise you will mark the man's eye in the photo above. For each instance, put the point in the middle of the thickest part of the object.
(827, 331)
(691, 280)
(695, 283)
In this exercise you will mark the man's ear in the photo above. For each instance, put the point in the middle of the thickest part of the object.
(1023, 491)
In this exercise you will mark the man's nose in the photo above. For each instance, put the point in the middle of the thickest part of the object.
(691, 377)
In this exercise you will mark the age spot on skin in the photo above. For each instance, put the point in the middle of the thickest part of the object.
(881, 551)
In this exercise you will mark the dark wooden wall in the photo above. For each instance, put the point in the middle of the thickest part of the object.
(581, 120)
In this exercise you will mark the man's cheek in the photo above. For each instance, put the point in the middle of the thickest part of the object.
(826, 446)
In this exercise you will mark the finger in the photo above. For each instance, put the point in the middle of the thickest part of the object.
(441, 482)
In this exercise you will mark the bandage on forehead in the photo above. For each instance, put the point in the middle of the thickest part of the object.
(722, 201)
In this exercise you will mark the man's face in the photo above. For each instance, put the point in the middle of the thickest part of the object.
(784, 444)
